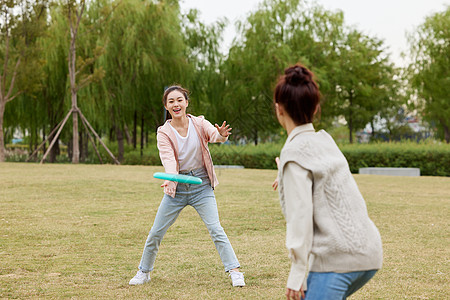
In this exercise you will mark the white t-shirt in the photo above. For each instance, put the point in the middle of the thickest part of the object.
(189, 152)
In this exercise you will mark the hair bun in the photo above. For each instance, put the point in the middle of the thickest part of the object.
(297, 75)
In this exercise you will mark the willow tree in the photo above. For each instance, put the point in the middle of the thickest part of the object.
(54, 83)
(39, 112)
(206, 81)
(165, 56)
(144, 52)
(21, 23)
(81, 74)
(123, 41)
(429, 71)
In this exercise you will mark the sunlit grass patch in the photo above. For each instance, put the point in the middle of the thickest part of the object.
(78, 231)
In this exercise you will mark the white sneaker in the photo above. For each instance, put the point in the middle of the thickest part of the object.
(140, 278)
(237, 278)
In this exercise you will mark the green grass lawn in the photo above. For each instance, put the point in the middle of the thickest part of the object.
(78, 232)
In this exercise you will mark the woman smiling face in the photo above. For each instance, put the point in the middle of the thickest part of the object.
(176, 104)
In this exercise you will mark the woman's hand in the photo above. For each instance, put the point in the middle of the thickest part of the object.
(224, 130)
(275, 183)
(291, 294)
(169, 187)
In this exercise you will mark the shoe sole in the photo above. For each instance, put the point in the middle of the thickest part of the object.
(139, 283)
(239, 284)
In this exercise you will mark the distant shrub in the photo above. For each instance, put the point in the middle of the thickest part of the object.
(135, 158)
(432, 158)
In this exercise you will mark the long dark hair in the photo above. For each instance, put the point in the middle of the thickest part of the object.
(299, 94)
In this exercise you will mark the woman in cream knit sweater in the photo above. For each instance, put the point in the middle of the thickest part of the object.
(333, 245)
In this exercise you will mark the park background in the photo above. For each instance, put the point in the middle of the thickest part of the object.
(76, 230)
(75, 72)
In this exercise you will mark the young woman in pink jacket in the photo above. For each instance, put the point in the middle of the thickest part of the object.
(183, 148)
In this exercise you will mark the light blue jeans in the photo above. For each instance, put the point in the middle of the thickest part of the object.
(201, 198)
(335, 286)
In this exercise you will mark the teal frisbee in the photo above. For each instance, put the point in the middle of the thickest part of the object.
(178, 178)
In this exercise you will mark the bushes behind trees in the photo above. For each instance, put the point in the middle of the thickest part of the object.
(433, 159)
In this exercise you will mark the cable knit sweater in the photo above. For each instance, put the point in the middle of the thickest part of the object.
(326, 216)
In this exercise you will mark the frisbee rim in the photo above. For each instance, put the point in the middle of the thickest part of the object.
(178, 178)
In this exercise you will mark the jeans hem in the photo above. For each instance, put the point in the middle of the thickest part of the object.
(232, 267)
(145, 271)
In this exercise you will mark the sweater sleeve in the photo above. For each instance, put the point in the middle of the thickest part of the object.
(299, 221)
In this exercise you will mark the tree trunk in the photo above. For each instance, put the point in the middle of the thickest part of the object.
(86, 145)
(350, 120)
(30, 145)
(75, 139)
(43, 138)
(135, 130)
(446, 134)
(350, 129)
(256, 137)
(69, 149)
(119, 134)
(72, 75)
(82, 142)
(373, 129)
(146, 136)
(54, 151)
(2, 137)
(127, 134)
(111, 134)
(142, 135)
(35, 139)
(73, 90)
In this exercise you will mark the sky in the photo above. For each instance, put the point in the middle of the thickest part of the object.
(388, 20)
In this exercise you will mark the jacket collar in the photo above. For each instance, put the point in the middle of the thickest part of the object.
(165, 128)
(299, 130)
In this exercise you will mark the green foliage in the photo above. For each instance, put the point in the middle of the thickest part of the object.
(364, 82)
(22, 23)
(431, 159)
(353, 71)
(254, 62)
(131, 50)
(261, 156)
(205, 81)
(135, 158)
(429, 72)
(142, 42)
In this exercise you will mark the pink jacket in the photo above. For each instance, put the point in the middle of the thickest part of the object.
(168, 147)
